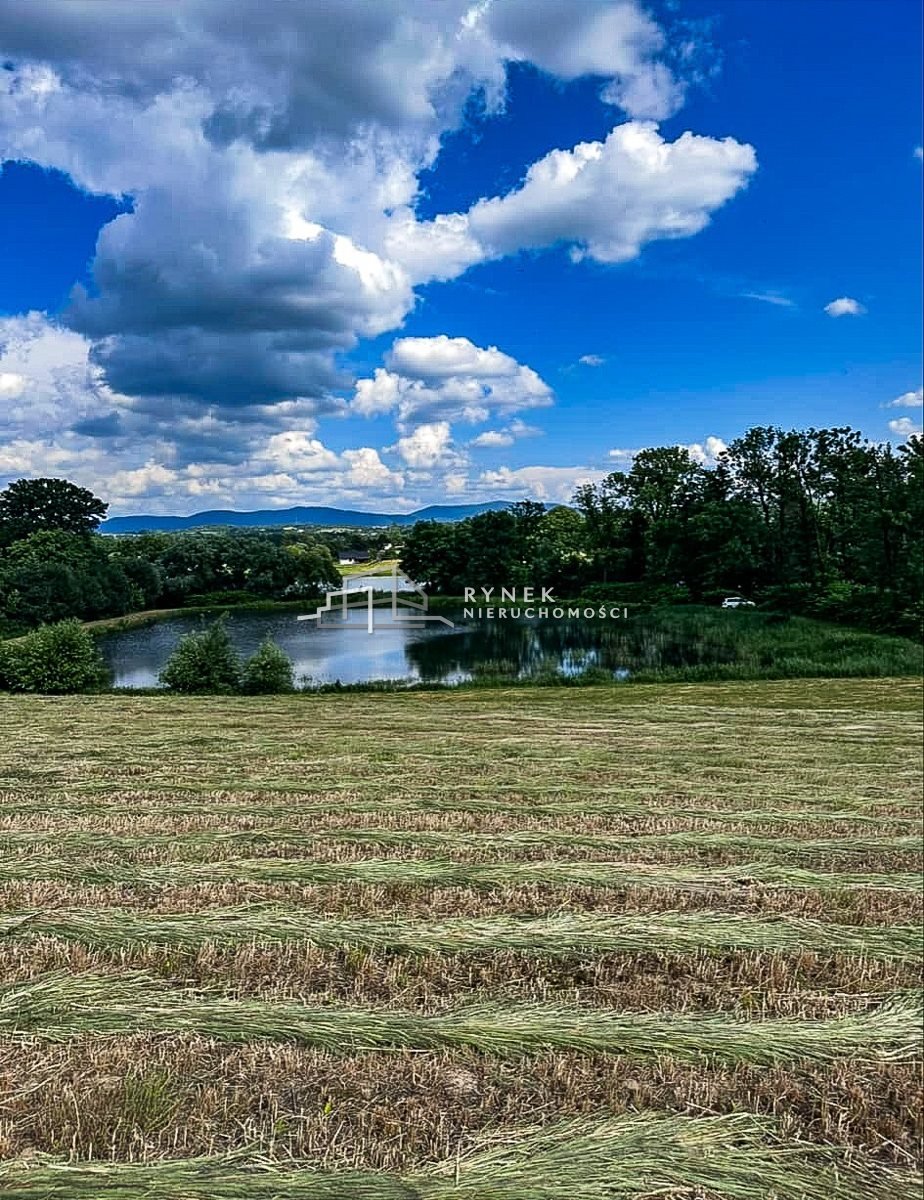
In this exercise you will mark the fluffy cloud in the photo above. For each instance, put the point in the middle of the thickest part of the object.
(616, 41)
(706, 454)
(276, 473)
(428, 446)
(47, 381)
(908, 400)
(904, 427)
(493, 438)
(549, 484)
(11, 383)
(845, 306)
(57, 415)
(591, 360)
(268, 171)
(605, 200)
(272, 169)
(448, 379)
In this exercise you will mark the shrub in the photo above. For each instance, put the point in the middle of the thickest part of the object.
(54, 658)
(269, 671)
(204, 663)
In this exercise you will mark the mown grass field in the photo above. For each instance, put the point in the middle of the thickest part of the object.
(562, 944)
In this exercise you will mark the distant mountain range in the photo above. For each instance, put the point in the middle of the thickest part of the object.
(341, 517)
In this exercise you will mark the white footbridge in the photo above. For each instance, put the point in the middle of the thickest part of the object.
(405, 612)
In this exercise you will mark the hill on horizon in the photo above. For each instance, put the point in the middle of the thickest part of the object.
(300, 515)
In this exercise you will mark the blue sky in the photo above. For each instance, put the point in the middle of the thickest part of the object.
(280, 315)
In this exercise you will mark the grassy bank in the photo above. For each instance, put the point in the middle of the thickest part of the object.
(476, 945)
(152, 616)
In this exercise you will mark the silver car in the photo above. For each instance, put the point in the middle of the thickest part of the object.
(737, 602)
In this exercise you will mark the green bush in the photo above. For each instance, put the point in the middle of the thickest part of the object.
(269, 671)
(53, 658)
(204, 663)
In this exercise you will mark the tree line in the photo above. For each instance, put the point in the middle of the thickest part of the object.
(55, 565)
(819, 521)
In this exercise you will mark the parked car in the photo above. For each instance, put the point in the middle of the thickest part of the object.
(737, 602)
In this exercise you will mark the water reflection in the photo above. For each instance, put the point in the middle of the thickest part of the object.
(344, 651)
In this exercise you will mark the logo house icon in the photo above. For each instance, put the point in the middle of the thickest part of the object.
(405, 612)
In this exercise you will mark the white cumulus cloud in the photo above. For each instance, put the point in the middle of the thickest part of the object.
(707, 453)
(429, 446)
(270, 166)
(448, 379)
(845, 306)
(549, 484)
(605, 200)
(904, 427)
(913, 399)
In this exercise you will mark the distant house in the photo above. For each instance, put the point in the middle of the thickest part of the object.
(348, 558)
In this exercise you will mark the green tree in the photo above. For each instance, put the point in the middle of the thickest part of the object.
(57, 658)
(30, 505)
(204, 663)
(562, 557)
(53, 574)
(605, 511)
(268, 671)
(313, 569)
(436, 555)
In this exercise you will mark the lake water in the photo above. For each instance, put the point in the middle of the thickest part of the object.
(344, 650)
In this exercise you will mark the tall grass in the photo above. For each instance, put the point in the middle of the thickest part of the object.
(671, 932)
(61, 1005)
(739, 1157)
(434, 872)
(697, 644)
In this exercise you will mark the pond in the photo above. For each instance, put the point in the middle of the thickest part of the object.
(334, 649)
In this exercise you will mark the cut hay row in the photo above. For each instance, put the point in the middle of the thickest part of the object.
(446, 822)
(592, 933)
(804, 791)
(332, 850)
(65, 809)
(92, 842)
(738, 1157)
(60, 1005)
(426, 902)
(447, 873)
(752, 983)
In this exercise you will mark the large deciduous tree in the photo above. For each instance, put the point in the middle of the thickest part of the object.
(33, 505)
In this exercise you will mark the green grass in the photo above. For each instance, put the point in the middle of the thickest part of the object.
(566, 934)
(696, 644)
(381, 566)
(739, 1157)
